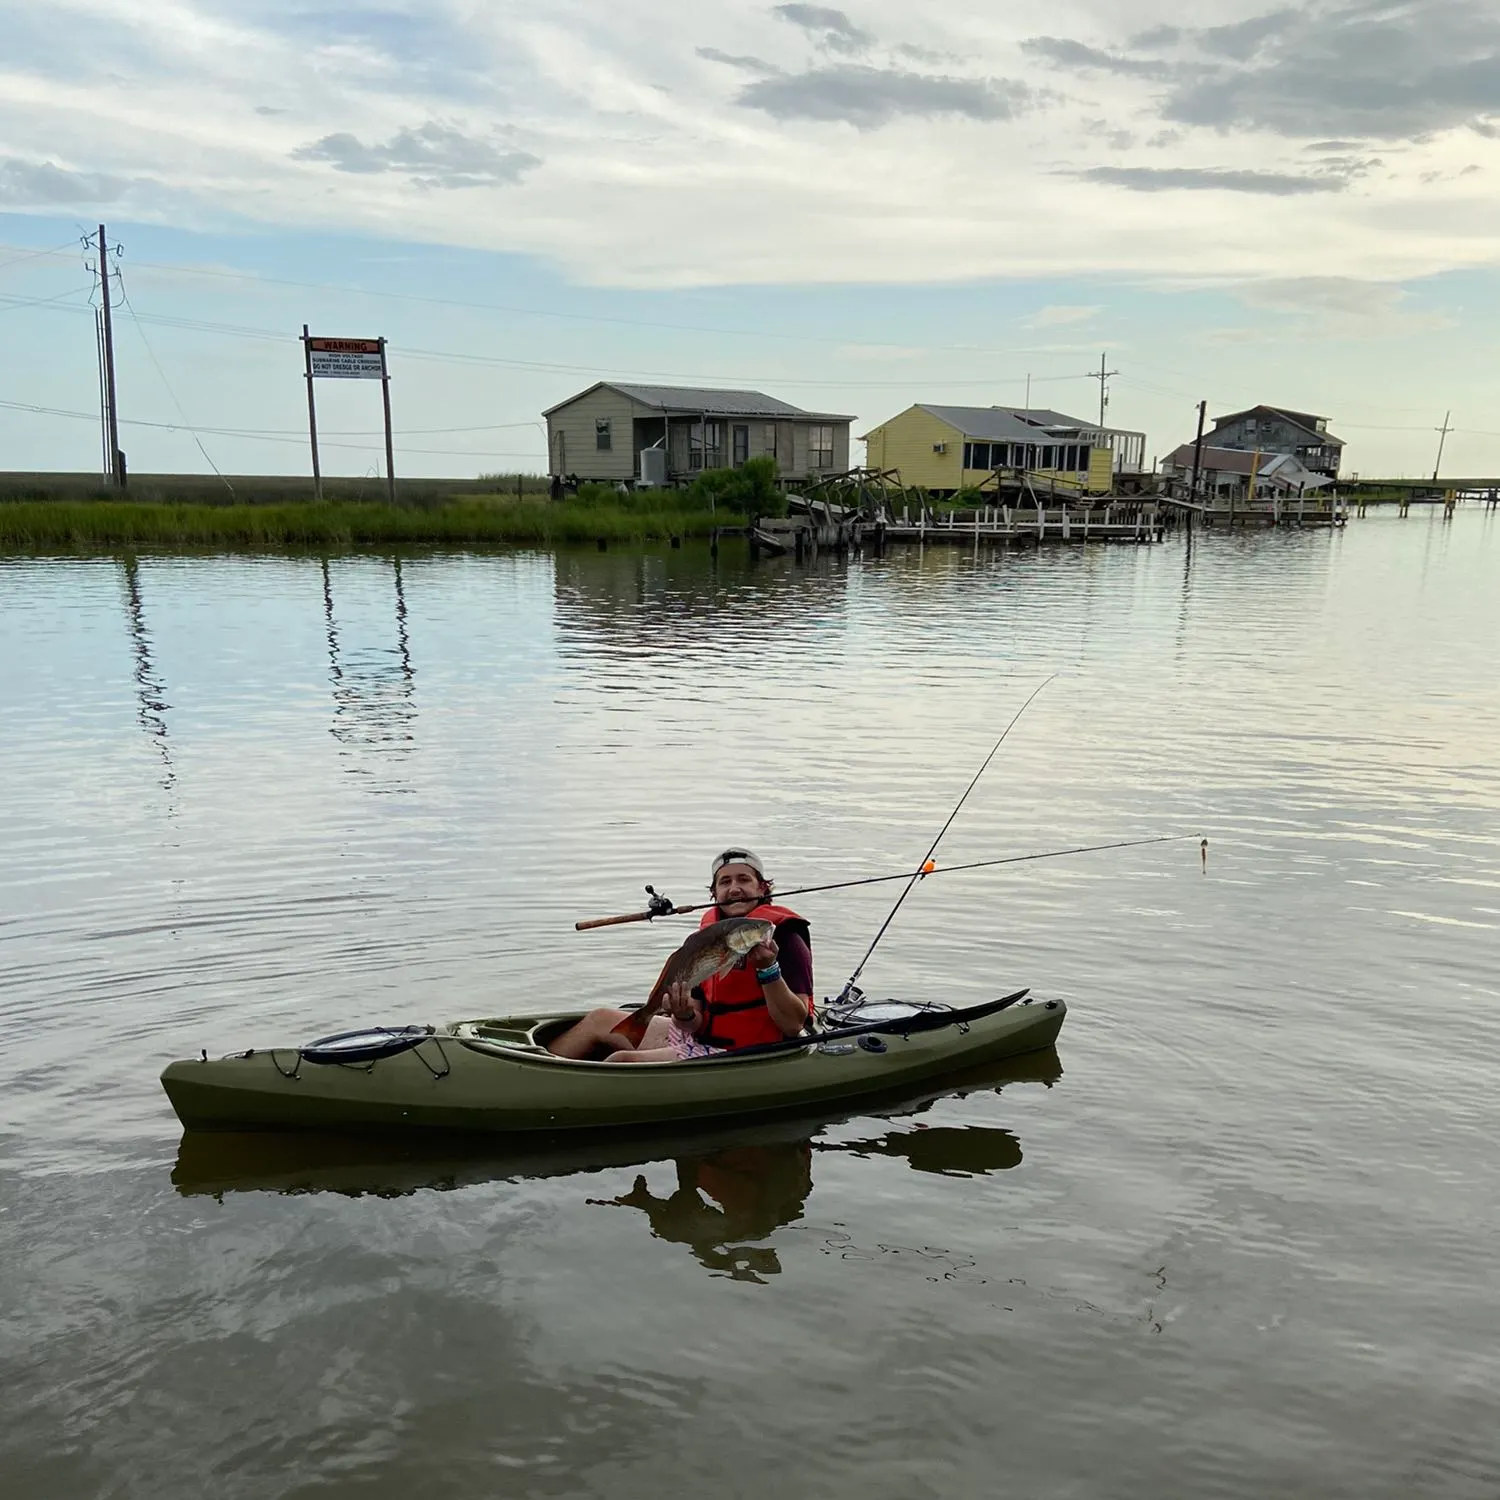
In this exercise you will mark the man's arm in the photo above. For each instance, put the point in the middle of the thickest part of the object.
(789, 995)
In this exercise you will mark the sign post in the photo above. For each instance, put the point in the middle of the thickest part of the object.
(385, 397)
(312, 414)
(348, 359)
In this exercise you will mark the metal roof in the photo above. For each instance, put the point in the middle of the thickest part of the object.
(1230, 460)
(1307, 420)
(703, 400)
(1005, 424)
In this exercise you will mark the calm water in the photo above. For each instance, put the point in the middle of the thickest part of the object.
(1235, 1238)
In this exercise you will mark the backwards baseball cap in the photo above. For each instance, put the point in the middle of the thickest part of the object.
(736, 857)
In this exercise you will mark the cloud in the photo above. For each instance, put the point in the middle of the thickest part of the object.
(36, 184)
(1343, 306)
(268, 109)
(1209, 179)
(434, 156)
(868, 98)
(1387, 72)
(1059, 314)
(1243, 39)
(1065, 53)
(1361, 69)
(738, 60)
(831, 28)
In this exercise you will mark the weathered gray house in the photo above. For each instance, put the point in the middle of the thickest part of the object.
(1274, 429)
(1224, 473)
(602, 434)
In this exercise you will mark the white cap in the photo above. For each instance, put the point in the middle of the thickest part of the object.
(736, 857)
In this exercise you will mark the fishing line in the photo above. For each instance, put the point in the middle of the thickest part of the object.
(980, 864)
(917, 873)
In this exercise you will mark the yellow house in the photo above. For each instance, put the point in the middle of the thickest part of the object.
(948, 448)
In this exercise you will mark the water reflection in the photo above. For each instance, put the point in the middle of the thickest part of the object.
(150, 690)
(374, 689)
(669, 602)
(733, 1185)
(947, 1150)
(744, 1193)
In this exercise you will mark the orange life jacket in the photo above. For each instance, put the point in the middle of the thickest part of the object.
(735, 1010)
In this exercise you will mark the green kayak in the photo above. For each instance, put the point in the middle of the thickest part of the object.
(497, 1075)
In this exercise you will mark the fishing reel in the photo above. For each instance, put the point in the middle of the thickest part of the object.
(658, 906)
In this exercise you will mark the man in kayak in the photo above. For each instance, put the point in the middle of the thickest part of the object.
(767, 999)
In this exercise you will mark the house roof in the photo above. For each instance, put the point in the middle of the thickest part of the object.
(1306, 420)
(696, 399)
(1005, 424)
(1281, 466)
(1228, 460)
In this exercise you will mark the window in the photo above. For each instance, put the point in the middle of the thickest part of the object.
(741, 445)
(768, 439)
(977, 455)
(820, 446)
(713, 445)
(602, 440)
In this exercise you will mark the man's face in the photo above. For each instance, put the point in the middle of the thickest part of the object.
(737, 888)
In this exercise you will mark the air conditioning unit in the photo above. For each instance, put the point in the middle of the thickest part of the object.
(940, 447)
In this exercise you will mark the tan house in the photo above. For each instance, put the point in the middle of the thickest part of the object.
(949, 448)
(657, 434)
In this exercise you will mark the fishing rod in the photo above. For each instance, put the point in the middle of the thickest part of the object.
(671, 910)
(927, 858)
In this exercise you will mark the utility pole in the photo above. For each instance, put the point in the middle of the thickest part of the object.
(112, 420)
(1103, 377)
(1198, 448)
(1028, 390)
(1442, 432)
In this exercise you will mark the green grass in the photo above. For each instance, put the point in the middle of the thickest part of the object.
(84, 525)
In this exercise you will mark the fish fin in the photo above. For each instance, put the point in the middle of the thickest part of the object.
(634, 1025)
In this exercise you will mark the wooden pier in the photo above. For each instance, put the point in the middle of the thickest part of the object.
(1130, 520)
(878, 511)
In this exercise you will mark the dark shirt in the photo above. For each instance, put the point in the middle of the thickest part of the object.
(796, 962)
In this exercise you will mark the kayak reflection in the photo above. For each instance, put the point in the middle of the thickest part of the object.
(750, 1179)
(948, 1150)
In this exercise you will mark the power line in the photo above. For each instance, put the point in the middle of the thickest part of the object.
(195, 325)
(130, 307)
(16, 260)
(541, 312)
(252, 436)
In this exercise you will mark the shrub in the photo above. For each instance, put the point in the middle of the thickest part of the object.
(750, 490)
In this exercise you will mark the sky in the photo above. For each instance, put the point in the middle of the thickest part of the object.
(851, 208)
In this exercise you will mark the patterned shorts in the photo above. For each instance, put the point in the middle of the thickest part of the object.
(686, 1045)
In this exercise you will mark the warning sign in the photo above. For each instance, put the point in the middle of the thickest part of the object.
(345, 359)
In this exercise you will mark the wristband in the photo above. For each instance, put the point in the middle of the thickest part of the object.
(768, 976)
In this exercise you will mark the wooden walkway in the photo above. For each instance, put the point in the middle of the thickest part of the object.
(1109, 521)
(816, 525)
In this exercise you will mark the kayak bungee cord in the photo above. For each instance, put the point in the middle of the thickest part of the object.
(917, 874)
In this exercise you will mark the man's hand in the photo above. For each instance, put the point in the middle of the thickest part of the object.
(679, 1004)
(762, 955)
